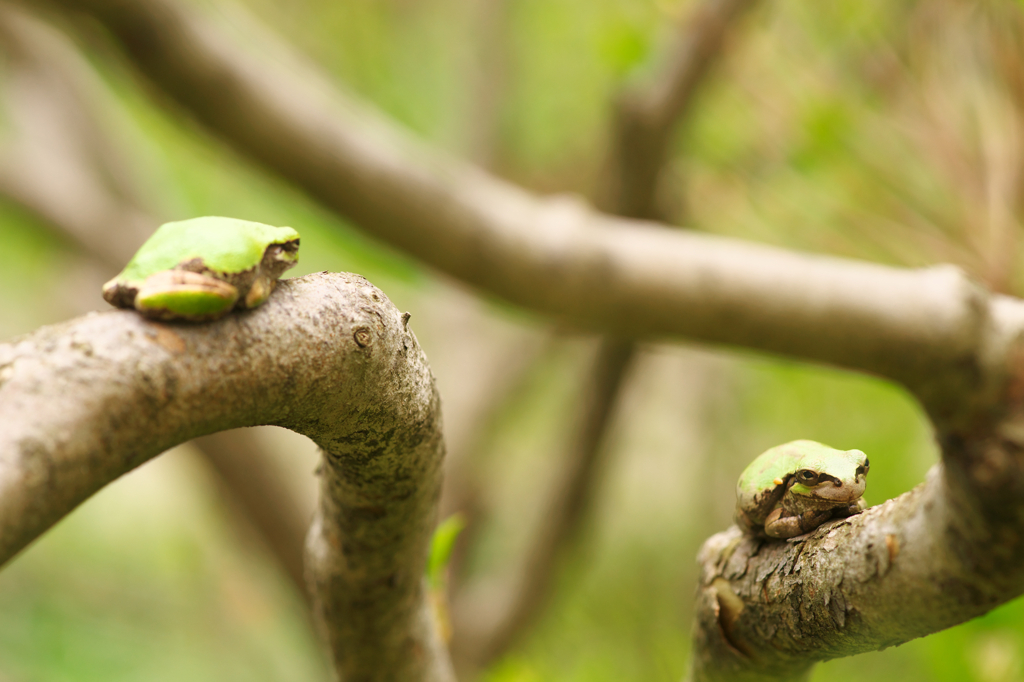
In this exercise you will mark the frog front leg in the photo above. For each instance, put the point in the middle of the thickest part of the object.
(782, 527)
(853, 508)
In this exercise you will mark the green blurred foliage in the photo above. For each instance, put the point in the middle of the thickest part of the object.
(860, 128)
(147, 581)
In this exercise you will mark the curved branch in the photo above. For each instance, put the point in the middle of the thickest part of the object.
(901, 570)
(941, 554)
(327, 356)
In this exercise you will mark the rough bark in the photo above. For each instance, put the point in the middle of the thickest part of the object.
(941, 554)
(327, 356)
(552, 255)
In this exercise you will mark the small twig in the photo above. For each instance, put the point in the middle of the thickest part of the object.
(57, 160)
(527, 590)
(501, 381)
(488, 79)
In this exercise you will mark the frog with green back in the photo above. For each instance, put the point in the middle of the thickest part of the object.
(203, 268)
(793, 488)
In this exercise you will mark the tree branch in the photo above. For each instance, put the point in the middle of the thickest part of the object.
(328, 356)
(488, 78)
(550, 255)
(488, 632)
(949, 341)
(898, 571)
(941, 554)
(57, 160)
(65, 168)
(246, 467)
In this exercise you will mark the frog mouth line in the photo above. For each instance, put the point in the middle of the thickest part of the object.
(831, 488)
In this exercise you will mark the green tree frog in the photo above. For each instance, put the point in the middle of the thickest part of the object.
(203, 268)
(792, 489)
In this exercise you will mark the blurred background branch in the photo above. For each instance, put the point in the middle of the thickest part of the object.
(489, 620)
(647, 117)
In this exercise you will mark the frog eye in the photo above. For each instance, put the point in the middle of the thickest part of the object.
(864, 468)
(807, 477)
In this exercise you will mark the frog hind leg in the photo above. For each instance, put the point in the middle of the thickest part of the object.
(185, 295)
(746, 524)
(782, 527)
(119, 294)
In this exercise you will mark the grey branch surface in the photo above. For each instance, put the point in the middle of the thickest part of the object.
(327, 356)
(941, 554)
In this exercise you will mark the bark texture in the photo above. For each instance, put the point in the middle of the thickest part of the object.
(941, 554)
(327, 356)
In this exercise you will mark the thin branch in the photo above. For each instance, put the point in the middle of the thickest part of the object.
(488, 79)
(491, 623)
(646, 118)
(497, 384)
(491, 631)
(327, 356)
(64, 167)
(57, 160)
